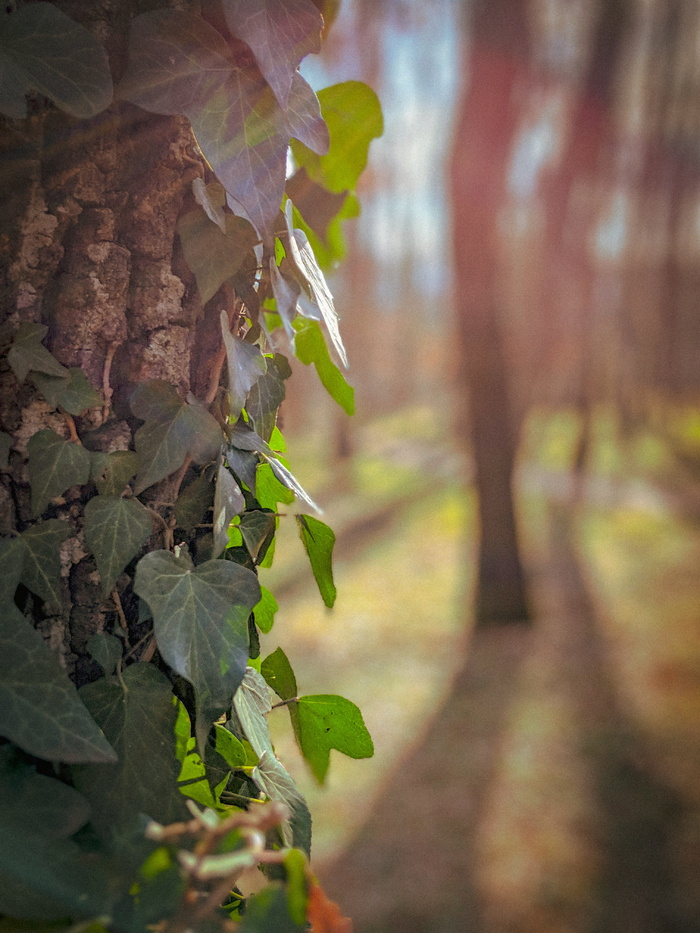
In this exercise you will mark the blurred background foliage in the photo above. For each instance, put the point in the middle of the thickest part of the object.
(520, 305)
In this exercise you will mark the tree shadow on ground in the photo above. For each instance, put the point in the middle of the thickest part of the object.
(529, 804)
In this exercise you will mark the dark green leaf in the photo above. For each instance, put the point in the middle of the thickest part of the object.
(12, 555)
(75, 393)
(54, 465)
(274, 780)
(265, 610)
(318, 539)
(13, 89)
(201, 622)
(268, 912)
(257, 530)
(244, 464)
(173, 428)
(115, 531)
(111, 472)
(28, 354)
(246, 364)
(264, 398)
(304, 117)
(57, 57)
(212, 255)
(42, 562)
(194, 502)
(327, 722)
(280, 33)
(39, 707)
(138, 717)
(354, 118)
(43, 873)
(5, 448)
(279, 675)
(106, 650)
(310, 347)
(228, 502)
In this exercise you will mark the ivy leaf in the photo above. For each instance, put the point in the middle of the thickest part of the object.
(229, 747)
(28, 354)
(265, 610)
(318, 303)
(212, 198)
(138, 717)
(246, 364)
(279, 675)
(317, 205)
(304, 116)
(280, 33)
(244, 463)
(58, 57)
(269, 912)
(173, 428)
(354, 118)
(257, 530)
(269, 490)
(40, 710)
(212, 255)
(194, 502)
(74, 393)
(111, 472)
(264, 398)
(54, 465)
(6, 443)
(178, 63)
(201, 622)
(318, 540)
(327, 722)
(285, 291)
(115, 531)
(252, 704)
(228, 502)
(275, 781)
(41, 572)
(285, 476)
(310, 347)
(106, 650)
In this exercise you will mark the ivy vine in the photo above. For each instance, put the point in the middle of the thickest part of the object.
(137, 801)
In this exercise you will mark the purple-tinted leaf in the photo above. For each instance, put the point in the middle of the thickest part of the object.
(304, 117)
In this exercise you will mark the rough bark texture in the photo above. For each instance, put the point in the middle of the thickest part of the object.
(88, 247)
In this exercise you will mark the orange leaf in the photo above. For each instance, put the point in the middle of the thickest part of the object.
(324, 915)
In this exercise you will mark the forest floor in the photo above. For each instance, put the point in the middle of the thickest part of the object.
(543, 779)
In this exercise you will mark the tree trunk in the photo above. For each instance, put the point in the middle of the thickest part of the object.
(88, 248)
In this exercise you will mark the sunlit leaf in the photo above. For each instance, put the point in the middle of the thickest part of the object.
(279, 675)
(265, 610)
(115, 531)
(54, 465)
(311, 348)
(228, 501)
(304, 116)
(327, 722)
(318, 540)
(279, 32)
(201, 622)
(275, 781)
(212, 198)
(56, 56)
(316, 205)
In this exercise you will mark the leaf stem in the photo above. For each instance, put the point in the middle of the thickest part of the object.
(123, 624)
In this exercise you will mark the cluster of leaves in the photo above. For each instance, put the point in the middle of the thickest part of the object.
(95, 783)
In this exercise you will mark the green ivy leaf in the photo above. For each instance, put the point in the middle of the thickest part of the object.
(41, 572)
(54, 465)
(269, 490)
(138, 717)
(106, 650)
(269, 912)
(246, 364)
(50, 52)
(327, 722)
(43, 874)
(280, 33)
(39, 707)
(275, 781)
(244, 464)
(6, 442)
(354, 118)
(74, 393)
(310, 347)
(318, 540)
(111, 472)
(257, 530)
(264, 399)
(28, 354)
(115, 531)
(229, 747)
(212, 255)
(228, 502)
(252, 704)
(265, 610)
(172, 429)
(201, 623)
(285, 476)
(194, 502)
(279, 675)
(178, 63)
